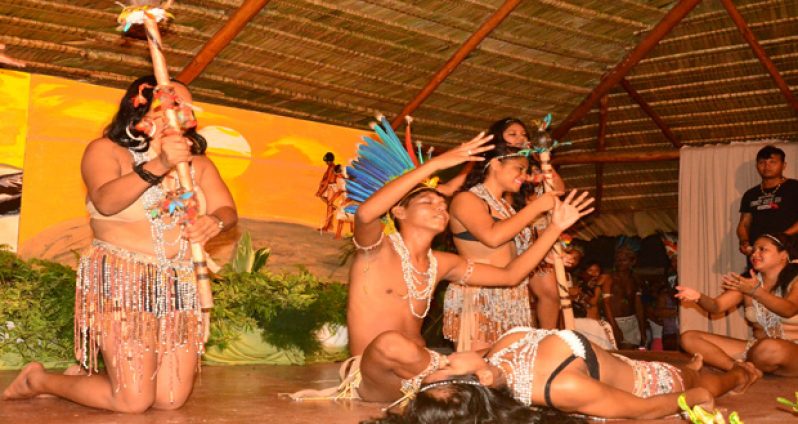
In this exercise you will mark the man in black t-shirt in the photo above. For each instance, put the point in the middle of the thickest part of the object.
(770, 207)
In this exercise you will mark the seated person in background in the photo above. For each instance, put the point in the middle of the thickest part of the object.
(586, 296)
(622, 292)
(771, 306)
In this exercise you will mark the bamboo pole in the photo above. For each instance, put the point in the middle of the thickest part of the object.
(662, 29)
(600, 147)
(563, 283)
(221, 39)
(760, 54)
(650, 112)
(161, 72)
(458, 57)
(652, 155)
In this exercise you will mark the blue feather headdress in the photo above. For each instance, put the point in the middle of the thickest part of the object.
(377, 163)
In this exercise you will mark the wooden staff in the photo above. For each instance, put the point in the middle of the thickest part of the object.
(183, 169)
(563, 283)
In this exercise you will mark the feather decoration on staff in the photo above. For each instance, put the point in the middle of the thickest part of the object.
(149, 15)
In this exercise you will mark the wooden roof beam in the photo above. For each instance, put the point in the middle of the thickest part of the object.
(221, 39)
(649, 155)
(670, 20)
(470, 44)
(666, 131)
(600, 147)
(760, 54)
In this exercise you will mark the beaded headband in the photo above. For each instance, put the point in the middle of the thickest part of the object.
(470, 382)
(774, 239)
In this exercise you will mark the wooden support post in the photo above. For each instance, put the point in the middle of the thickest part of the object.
(600, 147)
(760, 54)
(221, 39)
(470, 44)
(670, 20)
(649, 155)
(666, 131)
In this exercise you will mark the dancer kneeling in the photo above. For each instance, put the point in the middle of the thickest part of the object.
(563, 370)
(392, 281)
(771, 306)
(136, 299)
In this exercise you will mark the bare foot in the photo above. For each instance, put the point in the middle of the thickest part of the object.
(696, 363)
(749, 375)
(20, 387)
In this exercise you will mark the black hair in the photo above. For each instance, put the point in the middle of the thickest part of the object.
(497, 130)
(129, 114)
(768, 151)
(412, 194)
(790, 271)
(328, 157)
(480, 170)
(462, 403)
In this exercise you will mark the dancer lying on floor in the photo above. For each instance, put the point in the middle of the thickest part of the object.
(563, 370)
(771, 306)
(392, 278)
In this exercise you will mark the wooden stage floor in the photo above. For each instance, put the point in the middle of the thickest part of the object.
(249, 394)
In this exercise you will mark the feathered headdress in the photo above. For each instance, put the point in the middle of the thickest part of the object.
(631, 244)
(378, 163)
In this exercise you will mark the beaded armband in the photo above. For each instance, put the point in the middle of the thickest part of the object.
(436, 361)
(467, 274)
(369, 247)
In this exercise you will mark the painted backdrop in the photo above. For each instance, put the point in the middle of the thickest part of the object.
(272, 164)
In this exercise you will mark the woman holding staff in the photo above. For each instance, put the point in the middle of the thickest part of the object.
(136, 300)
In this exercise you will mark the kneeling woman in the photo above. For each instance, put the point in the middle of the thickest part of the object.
(563, 370)
(771, 305)
(136, 301)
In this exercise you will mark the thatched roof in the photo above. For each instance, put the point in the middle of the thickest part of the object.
(340, 61)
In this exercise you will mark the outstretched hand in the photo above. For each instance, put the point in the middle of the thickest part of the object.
(568, 211)
(688, 294)
(467, 152)
(741, 283)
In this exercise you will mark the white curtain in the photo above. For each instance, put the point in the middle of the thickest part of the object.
(712, 180)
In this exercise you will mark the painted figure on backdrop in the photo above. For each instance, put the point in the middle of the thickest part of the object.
(622, 293)
(579, 377)
(394, 275)
(327, 191)
(771, 206)
(770, 298)
(136, 300)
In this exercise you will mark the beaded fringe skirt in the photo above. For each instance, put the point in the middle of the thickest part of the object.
(479, 313)
(129, 306)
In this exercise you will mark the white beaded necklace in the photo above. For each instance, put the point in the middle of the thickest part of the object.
(523, 238)
(417, 288)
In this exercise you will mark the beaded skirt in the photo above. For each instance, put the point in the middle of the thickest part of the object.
(136, 306)
(480, 313)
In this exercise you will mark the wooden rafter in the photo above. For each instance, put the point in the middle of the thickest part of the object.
(666, 131)
(600, 147)
(470, 44)
(221, 39)
(648, 155)
(760, 54)
(670, 20)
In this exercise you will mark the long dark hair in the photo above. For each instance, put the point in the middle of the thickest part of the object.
(128, 115)
(785, 242)
(462, 403)
(497, 130)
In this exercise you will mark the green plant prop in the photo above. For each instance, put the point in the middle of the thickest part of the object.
(289, 308)
(699, 415)
(787, 402)
(36, 309)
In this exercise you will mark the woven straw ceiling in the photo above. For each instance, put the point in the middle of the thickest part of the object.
(340, 61)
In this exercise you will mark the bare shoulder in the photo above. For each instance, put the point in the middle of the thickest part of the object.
(446, 261)
(102, 149)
